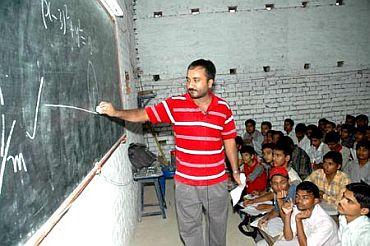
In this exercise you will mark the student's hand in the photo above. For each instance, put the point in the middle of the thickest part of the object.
(248, 202)
(303, 214)
(263, 222)
(281, 194)
(106, 108)
(264, 207)
(255, 193)
(287, 207)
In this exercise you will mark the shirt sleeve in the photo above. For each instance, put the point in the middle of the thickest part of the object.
(161, 112)
(320, 236)
(229, 129)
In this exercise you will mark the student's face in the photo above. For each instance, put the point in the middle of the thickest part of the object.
(250, 128)
(350, 121)
(359, 136)
(197, 83)
(275, 138)
(328, 128)
(269, 138)
(280, 159)
(247, 157)
(309, 133)
(287, 127)
(344, 134)
(349, 206)
(305, 200)
(299, 135)
(264, 129)
(322, 125)
(315, 142)
(268, 155)
(333, 146)
(329, 166)
(279, 183)
(362, 153)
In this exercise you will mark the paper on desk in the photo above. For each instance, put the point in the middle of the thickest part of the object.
(273, 228)
(236, 193)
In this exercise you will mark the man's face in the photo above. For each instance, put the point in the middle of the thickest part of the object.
(344, 134)
(362, 153)
(329, 128)
(280, 159)
(279, 183)
(268, 155)
(275, 138)
(349, 206)
(250, 128)
(287, 126)
(315, 142)
(299, 135)
(333, 146)
(247, 157)
(197, 83)
(329, 166)
(305, 200)
(359, 136)
(308, 133)
(264, 129)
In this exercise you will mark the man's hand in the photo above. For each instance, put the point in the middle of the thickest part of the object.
(248, 202)
(264, 207)
(106, 108)
(236, 177)
(303, 214)
(287, 207)
(281, 194)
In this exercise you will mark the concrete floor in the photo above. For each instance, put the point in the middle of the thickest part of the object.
(154, 230)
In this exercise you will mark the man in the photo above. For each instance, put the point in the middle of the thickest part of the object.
(359, 169)
(303, 140)
(354, 222)
(307, 223)
(266, 126)
(204, 131)
(330, 180)
(317, 149)
(332, 139)
(253, 137)
(288, 128)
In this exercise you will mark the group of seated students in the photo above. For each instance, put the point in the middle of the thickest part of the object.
(333, 163)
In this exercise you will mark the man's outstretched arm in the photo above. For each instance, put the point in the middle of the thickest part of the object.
(133, 115)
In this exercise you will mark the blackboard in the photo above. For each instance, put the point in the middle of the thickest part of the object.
(58, 59)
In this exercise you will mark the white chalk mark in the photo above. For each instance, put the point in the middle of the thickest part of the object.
(36, 111)
(71, 107)
(3, 162)
(2, 134)
(1, 97)
(18, 162)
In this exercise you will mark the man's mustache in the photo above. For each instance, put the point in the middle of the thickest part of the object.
(190, 89)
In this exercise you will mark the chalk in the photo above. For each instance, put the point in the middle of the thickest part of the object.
(98, 110)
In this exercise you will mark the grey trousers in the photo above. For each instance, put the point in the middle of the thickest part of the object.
(191, 202)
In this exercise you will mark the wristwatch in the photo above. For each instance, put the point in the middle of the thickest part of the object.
(236, 171)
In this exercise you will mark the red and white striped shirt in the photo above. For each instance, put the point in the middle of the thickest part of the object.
(200, 156)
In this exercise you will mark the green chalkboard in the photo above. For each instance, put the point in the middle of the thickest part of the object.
(57, 61)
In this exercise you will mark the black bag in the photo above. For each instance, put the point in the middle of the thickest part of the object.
(140, 156)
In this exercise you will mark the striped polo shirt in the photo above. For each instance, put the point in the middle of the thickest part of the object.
(200, 156)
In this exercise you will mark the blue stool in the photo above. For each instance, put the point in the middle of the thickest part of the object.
(150, 176)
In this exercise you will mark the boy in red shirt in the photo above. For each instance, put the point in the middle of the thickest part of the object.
(254, 171)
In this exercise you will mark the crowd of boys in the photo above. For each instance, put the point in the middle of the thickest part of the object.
(333, 162)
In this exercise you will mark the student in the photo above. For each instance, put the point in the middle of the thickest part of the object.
(299, 160)
(276, 136)
(254, 171)
(307, 223)
(252, 136)
(265, 127)
(204, 132)
(288, 128)
(322, 124)
(303, 141)
(269, 137)
(330, 180)
(267, 156)
(354, 209)
(346, 136)
(332, 140)
(317, 149)
(359, 169)
(362, 120)
(330, 127)
(310, 129)
(350, 120)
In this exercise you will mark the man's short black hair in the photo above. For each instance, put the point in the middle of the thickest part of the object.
(335, 156)
(361, 130)
(239, 140)
(323, 120)
(362, 117)
(300, 128)
(310, 188)
(332, 137)
(349, 128)
(289, 121)
(316, 134)
(312, 127)
(247, 149)
(364, 143)
(332, 124)
(286, 145)
(251, 121)
(207, 65)
(267, 123)
(361, 192)
(268, 146)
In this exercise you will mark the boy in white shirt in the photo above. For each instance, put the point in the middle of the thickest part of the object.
(354, 222)
(307, 223)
